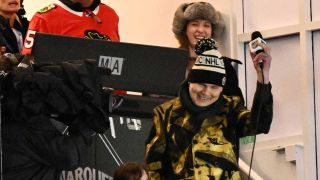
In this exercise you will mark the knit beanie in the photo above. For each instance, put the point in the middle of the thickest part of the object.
(209, 66)
(197, 10)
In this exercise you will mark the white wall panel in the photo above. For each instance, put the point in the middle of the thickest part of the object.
(285, 78)
(33, 6)
(315, 10)
(262, 15)
(317, 87)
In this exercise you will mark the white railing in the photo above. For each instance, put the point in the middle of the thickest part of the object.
(245, 168)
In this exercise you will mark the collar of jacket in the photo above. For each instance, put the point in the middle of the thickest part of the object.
(4, 22)
(78, 7)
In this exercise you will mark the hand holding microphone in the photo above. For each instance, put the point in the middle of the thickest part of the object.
(260, 53)
(256, 45)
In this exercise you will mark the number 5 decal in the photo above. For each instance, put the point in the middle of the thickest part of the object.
(29, 39)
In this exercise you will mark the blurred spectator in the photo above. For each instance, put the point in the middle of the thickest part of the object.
(130, 171)
(13, 26)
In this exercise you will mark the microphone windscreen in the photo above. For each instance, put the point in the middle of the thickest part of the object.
(256, 34)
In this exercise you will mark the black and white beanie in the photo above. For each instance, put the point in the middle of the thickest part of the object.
(209, 66)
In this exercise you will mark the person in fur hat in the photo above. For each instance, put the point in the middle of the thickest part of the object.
(197, 20)
(196, 135)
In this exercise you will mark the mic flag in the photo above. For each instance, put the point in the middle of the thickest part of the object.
(256, 39)
(254, 44)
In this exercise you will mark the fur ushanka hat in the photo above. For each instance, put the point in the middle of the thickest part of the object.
(197, 10)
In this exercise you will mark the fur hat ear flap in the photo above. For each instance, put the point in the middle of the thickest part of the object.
(179, 21)
(219, 26)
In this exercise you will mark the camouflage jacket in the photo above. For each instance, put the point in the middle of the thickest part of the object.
(186, 143)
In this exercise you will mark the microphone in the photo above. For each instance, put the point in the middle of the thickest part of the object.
(256, 48)
(256, 39)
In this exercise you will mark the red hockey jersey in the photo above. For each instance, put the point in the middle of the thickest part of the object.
(59, 19)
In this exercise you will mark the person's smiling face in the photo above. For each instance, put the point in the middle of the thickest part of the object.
(198, 29)
(203, 94)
